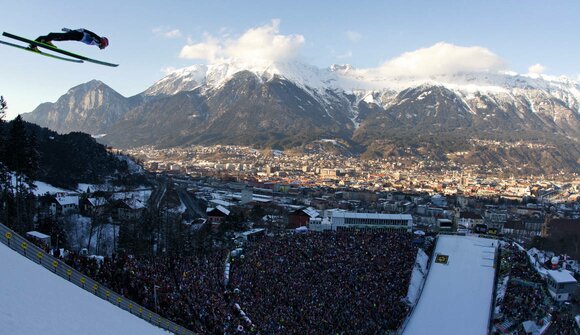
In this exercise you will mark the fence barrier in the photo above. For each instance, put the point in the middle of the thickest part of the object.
(19, 244)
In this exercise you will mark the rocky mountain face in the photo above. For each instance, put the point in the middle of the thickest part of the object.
(245, 110)
(294, 106)
(92, 108)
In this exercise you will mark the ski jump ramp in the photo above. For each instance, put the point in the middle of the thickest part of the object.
(458, 295)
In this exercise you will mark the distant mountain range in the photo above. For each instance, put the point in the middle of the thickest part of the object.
(510, 120)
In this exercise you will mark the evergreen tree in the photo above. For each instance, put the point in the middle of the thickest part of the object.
(21, 154)
(3, 172)
(22, 159)
(32, 156)
(4, 180)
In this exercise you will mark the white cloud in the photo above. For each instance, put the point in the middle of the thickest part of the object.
(263, 43)
(168, 70)
(167, 32)
(209, 50)
(443, 58)
(353, 36)
(536, 69)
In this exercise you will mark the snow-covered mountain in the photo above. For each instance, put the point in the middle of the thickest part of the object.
(290, 104)
(214, 76)
(536, 93)
(363, 81)
(555, 98)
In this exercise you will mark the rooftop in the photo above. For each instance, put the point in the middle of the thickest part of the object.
(375, 216)
(561, 276)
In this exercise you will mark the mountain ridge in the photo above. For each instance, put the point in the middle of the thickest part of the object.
(290, 105)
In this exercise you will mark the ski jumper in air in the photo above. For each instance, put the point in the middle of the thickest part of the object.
(81, 35)
(48, 49)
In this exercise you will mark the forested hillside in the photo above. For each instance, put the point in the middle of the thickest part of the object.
(60, 160)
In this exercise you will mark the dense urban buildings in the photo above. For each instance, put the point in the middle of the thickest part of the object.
(336, 171)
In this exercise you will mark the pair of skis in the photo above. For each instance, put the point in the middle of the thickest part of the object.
(76, 58)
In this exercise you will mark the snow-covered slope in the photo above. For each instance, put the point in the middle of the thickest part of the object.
(35, 301)
(42, 188)
(507, 85)
(213, 76)
(468, 81)
(457, 296)
(350, 79)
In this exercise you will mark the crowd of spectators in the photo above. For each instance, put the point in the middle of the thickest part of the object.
(523, 302)
(563, 324)
(519, 265)
(312, 283)
(328, 283)
(525, 296)
(187, 290)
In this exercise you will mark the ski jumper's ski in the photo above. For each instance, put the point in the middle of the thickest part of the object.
(55, 49)
(42, 53)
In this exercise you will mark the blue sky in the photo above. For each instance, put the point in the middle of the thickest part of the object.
(150, 37)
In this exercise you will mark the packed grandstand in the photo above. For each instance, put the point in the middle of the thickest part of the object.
(337, 283)
(293, 284)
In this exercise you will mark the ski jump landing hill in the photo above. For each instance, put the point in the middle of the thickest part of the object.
(458, 295)
(34, 300)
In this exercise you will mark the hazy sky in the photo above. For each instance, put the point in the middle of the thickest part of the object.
(149, 38)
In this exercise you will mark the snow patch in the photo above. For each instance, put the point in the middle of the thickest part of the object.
(329, 141)
(423, 95)
(369, 98)
(417, 277)
(44, 188)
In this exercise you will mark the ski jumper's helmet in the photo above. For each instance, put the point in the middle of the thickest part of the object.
(104, 43)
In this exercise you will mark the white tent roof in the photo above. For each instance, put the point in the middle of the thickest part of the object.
(561, 276)
(37, 234)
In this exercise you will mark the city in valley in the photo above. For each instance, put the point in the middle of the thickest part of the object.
(288, 171)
